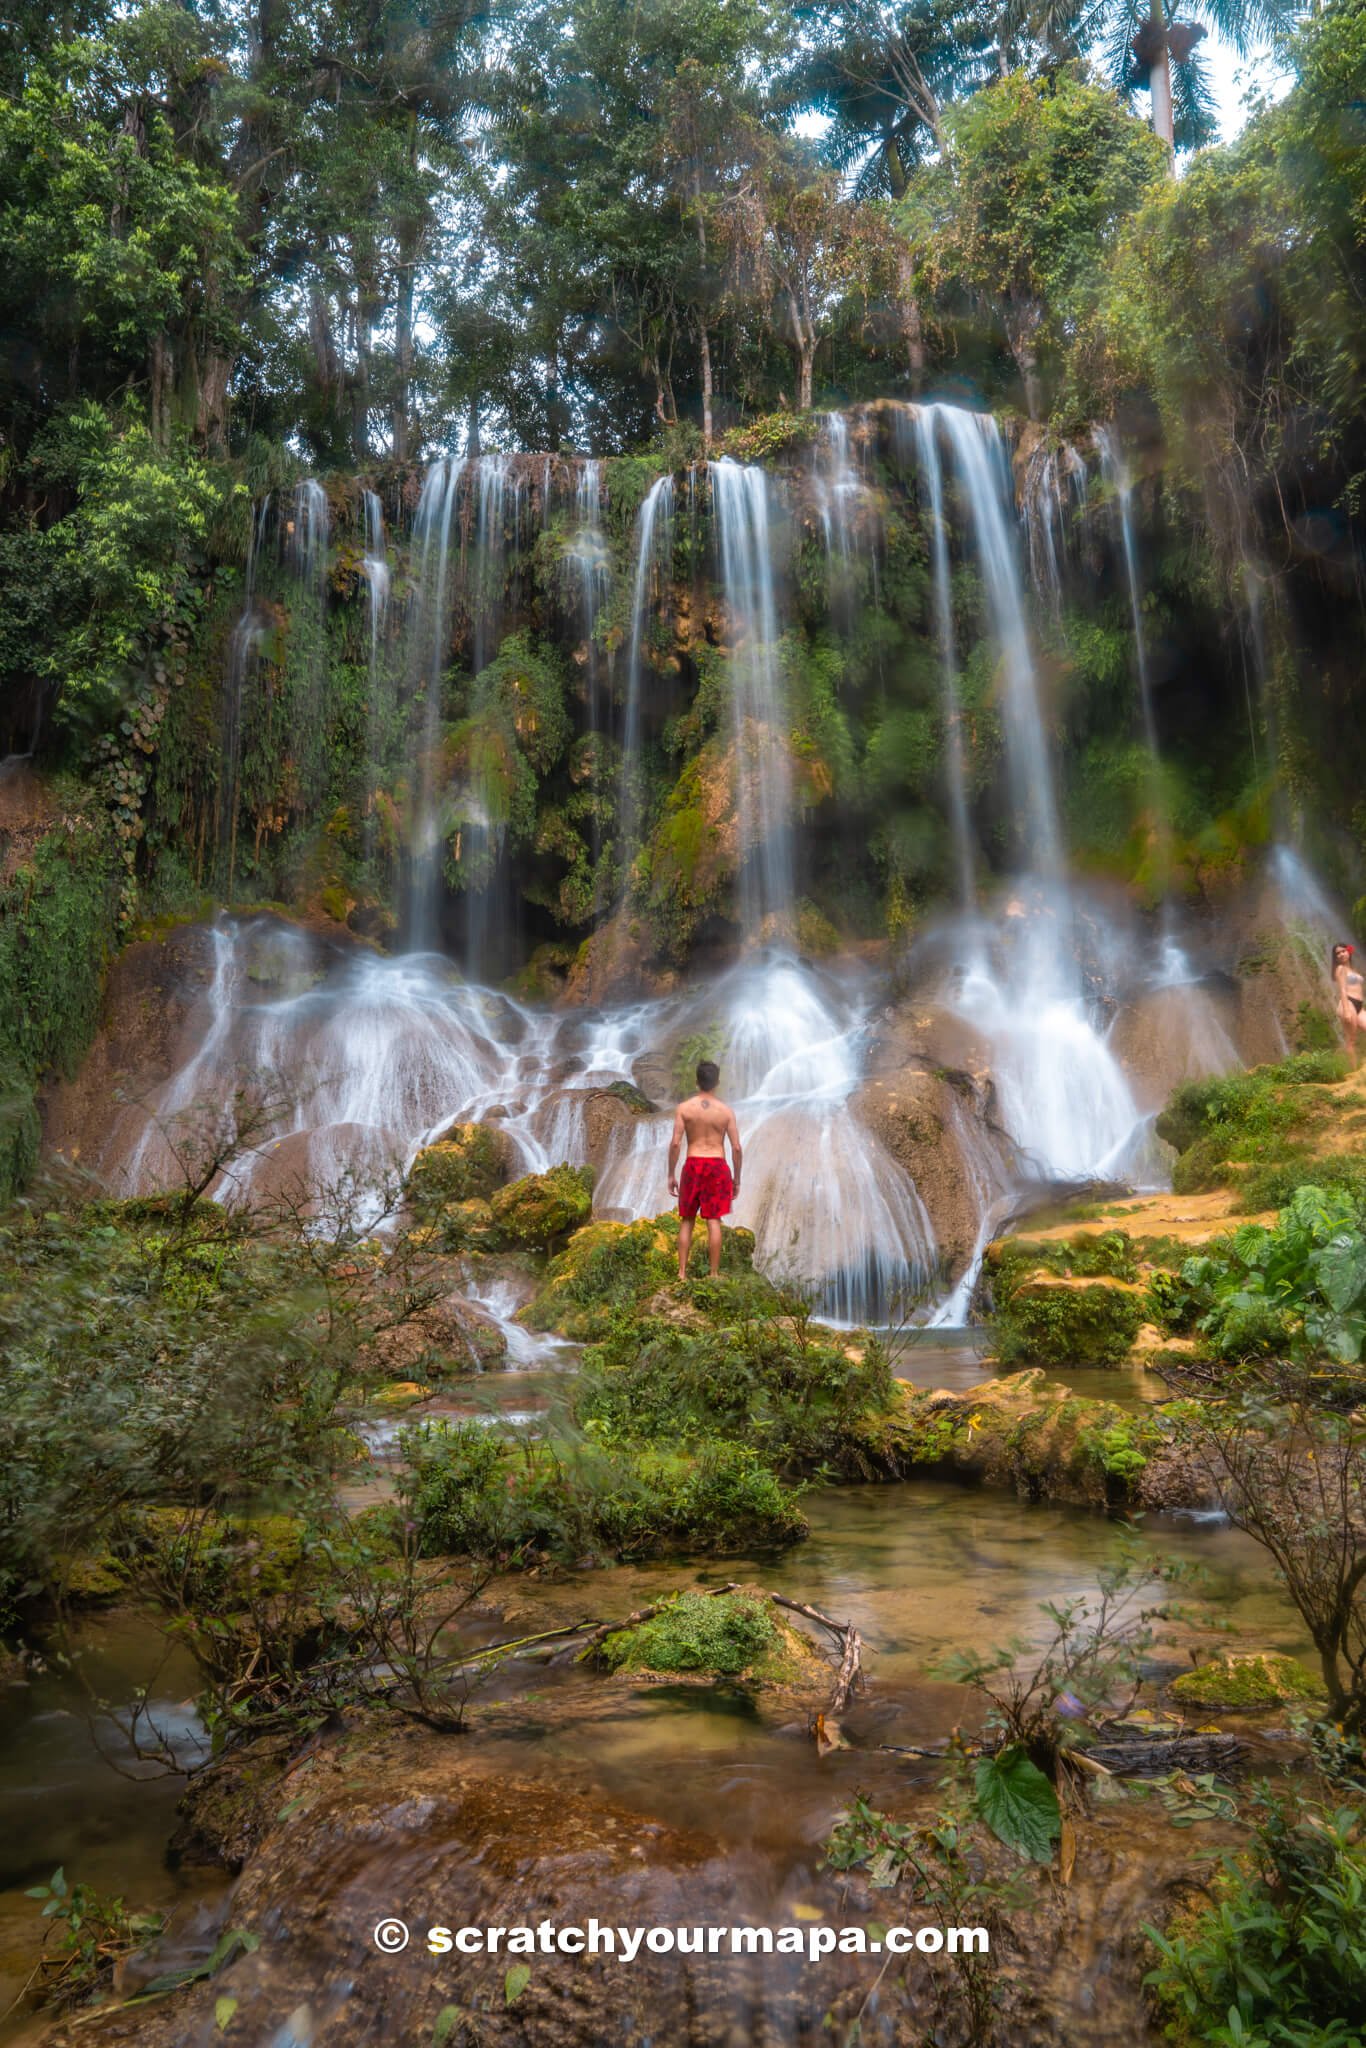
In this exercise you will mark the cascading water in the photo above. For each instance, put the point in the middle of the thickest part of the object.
(243, 649)
(1063, 1097)
(763, 768)
(1054, 495)
(1114, 469)
(983, 471)
(428, 639)
(383, 1053)
(375, 570)
(932, 475)
(837, 486)
(654, 554)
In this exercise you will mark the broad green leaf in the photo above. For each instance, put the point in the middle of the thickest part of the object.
(223, 2010)
(1341, 1270)
(1018, 1804)
(515, 1982)
(445, 2024)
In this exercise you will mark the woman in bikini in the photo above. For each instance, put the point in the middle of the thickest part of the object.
(1351, 994)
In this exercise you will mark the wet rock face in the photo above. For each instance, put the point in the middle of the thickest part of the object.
(151, 1022)
(929, 1099)
(419, 1830)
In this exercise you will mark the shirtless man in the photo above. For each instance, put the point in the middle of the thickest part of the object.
(707, 1182)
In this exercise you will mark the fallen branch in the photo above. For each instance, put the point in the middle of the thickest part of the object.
(850, 1674)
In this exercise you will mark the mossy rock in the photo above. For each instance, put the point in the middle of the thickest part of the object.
(1105, 1254)
(1232, 1685)
(400, 1394)
(1055, 1323)
(220, 1558)
(636, 1100)
(608, 1266)
(466, 1164)
(91, 1578)
(542, 1208)
(1254, 1131)
(738, 1636)
(465, 1227)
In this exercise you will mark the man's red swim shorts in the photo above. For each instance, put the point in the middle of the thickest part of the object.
(706, 1185)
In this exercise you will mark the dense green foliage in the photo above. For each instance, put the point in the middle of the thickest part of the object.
(200, 304)
(1298, 1289)
(1260, 1132)
(1277, 1956)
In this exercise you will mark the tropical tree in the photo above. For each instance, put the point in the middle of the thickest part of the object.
(1021, 210)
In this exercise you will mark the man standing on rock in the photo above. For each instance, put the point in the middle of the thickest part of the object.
(707, 1183)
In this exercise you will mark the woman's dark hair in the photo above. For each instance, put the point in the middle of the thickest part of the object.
(708, 1074)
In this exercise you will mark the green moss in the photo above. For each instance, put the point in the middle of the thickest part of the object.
(542, 1208)
(1109, 1253)
(1251, 1130)
(1243, 1684)
(636, 1100)
(1061, 1326)
(466, 1164)
(471, 1494)
(725, 1635)
(607, 1267)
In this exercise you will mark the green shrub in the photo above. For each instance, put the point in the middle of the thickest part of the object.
(725, 1633)
(1299, 1288)
(789, 1388)
(1067, 1326)
(1276, 1958)
(474, 1494)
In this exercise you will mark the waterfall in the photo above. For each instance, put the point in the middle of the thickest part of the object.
(983, 470)
(763, 773)
(1055, 484)
(1062, 1095)
(837, 485)
(308, 534)
(498, 503)
(375, 570)
(429, 635)
(243, 647)
(1114, 470)
(592, 569)
(932, 474)
(654, 558)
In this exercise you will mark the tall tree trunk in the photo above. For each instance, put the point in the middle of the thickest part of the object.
(912, 325)
(1023, 319)
(474, 447)
(1160, 80)
(159, 377)
(703, 336)
(706, 384)
(409, 243)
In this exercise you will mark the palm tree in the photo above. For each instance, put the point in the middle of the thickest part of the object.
(882, 72)
(1145, 44)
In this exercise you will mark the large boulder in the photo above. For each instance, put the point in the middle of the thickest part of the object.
(542, 1208)
(466, 1163)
